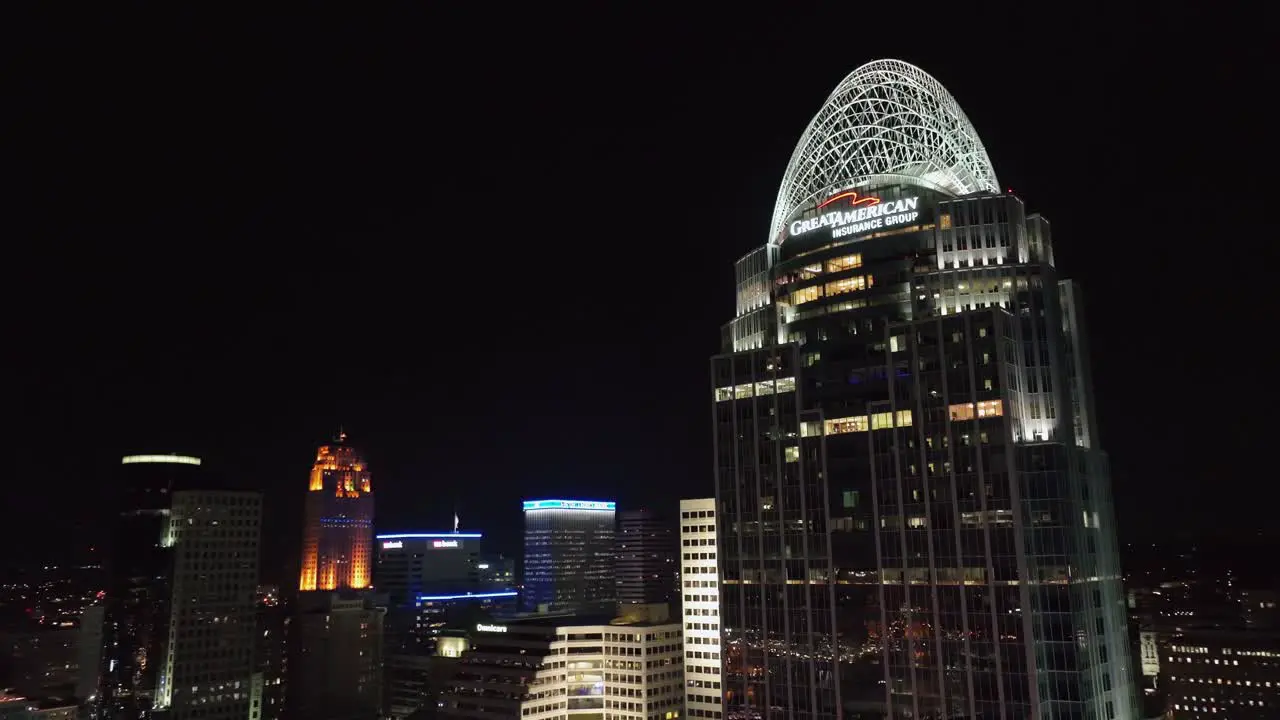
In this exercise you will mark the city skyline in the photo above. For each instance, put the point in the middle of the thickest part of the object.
(192, 321)
(705, 364)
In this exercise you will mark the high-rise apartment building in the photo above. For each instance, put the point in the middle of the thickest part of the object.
(700, 585)
(337, 541)
(646, 558)
(914, 509)
(568, 555)
(208, 668)
(135, 621)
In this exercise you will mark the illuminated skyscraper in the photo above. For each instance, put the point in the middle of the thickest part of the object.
(569, 555)
(337, 540)
(914, 511)
(335, 636)
(208, 670)
(135, 629)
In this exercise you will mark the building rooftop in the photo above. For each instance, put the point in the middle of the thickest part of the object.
(888, 121)
(638, 616)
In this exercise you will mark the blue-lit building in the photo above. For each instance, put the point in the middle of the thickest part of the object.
(434, 581)
(569, 555)
(431, 563)
(429, 576)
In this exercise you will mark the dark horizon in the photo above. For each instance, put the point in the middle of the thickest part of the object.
(501, 260)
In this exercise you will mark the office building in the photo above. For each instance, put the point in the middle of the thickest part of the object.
(568, 555)
(415, 682)
(208, 669)
(439, 623)
(497, 572)
(417, 563)
(135, 622)
(270, 655)
(434, 581)
(646, 558)
(336, 632)
(335, 656)
(337, 541)
(915, 511)
(700, 585)
(19, 707)
(39, 661)
(89, 654)
(1223, 674)
(571, 666)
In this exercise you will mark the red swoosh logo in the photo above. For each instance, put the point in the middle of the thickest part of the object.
(854, 199)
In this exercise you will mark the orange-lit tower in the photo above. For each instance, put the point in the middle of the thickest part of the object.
(337, 537)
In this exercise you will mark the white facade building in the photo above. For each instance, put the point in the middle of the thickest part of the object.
(539, 668)
(700, 586)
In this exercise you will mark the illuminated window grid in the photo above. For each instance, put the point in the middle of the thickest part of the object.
(700, 588)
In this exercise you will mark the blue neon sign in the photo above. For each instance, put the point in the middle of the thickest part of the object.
(411, 536)
(469, 596)
(568, 505)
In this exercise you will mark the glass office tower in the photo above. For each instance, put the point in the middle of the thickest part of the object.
(914, 510)
(569, 555)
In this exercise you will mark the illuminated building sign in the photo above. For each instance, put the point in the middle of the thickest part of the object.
(568, 505)
(416, 536)
(163, 459)
(865, 215)
(1150, 654)
(444, 543)
(392, 545)
(481, 627)
(468, 596)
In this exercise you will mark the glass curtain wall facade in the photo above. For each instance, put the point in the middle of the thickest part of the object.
(774, 548)
(915, 515)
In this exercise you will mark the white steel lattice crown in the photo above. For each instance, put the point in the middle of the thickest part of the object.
(888, 120)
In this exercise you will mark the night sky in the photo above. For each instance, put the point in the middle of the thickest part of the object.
(497, 249)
